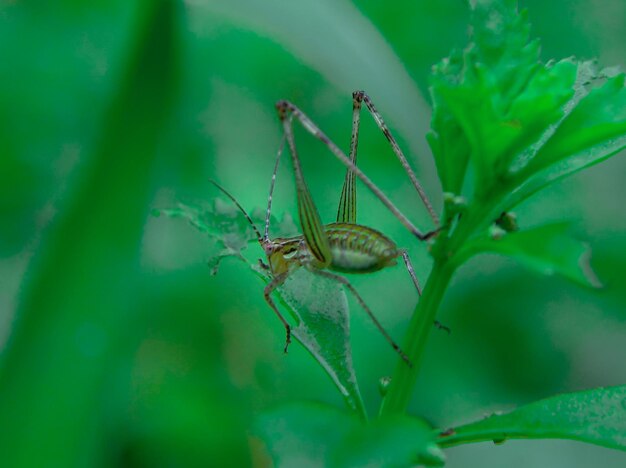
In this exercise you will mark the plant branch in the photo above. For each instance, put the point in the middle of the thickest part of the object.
(446, 263)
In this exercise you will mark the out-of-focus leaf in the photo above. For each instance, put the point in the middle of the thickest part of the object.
(50, 119)
(340, 43)
(18, 198)
(547, 249)
(318, 305)
(312, 434)
(394, 440)
(304, 433)
(78, 295)
(593, 416)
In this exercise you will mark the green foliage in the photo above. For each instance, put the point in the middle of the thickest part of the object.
(498, 107)
(318, 306)
(320, 435)
(517, 124)
(547, 249)
(114, 189)
(118, 348)
(594, 416)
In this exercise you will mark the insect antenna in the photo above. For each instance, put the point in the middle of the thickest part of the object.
(225, 192)
(266, 235)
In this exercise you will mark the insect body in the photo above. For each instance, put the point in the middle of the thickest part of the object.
(359, 249)
(354, 249)
(343, 246)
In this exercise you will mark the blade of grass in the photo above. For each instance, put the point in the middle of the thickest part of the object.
(78, 293)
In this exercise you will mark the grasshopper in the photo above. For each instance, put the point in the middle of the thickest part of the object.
(343, 246)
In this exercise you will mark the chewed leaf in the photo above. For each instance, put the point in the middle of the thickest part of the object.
(318, 306)
(547, 249)
(314, 434)
(220, 220)
(594, 416)
(279, 228)
(320, 309)
(222, 223)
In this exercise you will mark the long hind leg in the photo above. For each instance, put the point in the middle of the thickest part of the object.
(365, 307)
(361, 96)
(346, 212)
(347, 203)
(287, 109)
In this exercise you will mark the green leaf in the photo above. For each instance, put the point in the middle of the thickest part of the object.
(514, 117)
(496, 94)
(447, 140)
(597, 118)
(220, 221)
(394, 440)
(320, 308)
(593, 416)
(593, 130)
(304, 433)
(80, 294)
(338, 41)
(547, 249)
(313, 434)
(318, 305)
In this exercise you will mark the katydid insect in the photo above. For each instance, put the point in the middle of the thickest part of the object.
(343, 246)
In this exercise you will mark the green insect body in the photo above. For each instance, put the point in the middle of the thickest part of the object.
(343, 246)
(354, 249)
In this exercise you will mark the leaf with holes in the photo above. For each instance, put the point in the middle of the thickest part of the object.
(318, 305)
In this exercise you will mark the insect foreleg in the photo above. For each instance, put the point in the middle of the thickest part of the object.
(277, 281)
(365, 307)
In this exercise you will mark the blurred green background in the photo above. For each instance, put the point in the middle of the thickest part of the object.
(117, 348)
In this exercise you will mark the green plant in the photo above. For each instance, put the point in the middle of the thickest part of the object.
(504, 126)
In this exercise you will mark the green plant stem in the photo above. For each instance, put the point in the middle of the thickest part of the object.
(404, 378)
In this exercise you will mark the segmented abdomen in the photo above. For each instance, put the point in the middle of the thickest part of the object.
(359, 249)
